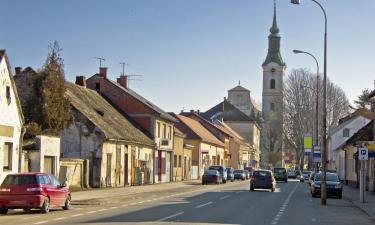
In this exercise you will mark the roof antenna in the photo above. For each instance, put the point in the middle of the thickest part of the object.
(239, 82)
(123, 64)
(100, 61)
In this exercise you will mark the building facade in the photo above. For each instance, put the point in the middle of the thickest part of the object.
(11, 121)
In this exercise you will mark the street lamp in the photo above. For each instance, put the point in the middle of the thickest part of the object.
(323, 199)
(317, 101)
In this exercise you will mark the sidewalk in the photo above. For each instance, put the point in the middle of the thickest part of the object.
(96, 194)
(352, 194)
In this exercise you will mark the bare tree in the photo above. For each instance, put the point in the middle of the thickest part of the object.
(300, 100)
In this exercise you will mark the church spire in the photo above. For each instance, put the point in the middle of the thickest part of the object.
(274, 54)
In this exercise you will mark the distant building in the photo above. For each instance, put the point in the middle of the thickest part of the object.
(11, 121)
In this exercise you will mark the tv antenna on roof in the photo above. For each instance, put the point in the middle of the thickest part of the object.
(100, 61)
(123, 64)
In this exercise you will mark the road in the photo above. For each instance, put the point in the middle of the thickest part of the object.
(231, 203)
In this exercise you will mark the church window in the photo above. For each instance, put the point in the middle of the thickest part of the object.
(239, 99)
(272, 84)
(272, 106)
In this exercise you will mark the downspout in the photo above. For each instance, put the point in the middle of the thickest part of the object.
(20, 147)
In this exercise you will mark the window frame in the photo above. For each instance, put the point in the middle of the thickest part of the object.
(273, 84)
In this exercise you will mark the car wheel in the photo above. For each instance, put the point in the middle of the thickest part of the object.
(340, 195)
(3, 210)
(224, 181)
(45, 207)
(67, 203)
(27, 210)
(272, 189)
(232, 180)
(286, 181)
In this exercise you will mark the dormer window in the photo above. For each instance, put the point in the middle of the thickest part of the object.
(272, 84)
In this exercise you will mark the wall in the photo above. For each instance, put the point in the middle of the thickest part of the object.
(10, 121)
(71, 172)
(178, 150)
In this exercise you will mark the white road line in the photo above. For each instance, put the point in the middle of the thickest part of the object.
(91, 212)
(224, 197)
(284, 205)
(61, 218)
(77, 208)
(79, 214)
(41, 222)
(203, 205)
(102, 210)
(114, 207)
(170, 217)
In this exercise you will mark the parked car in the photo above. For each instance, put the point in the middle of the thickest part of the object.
(247, 174)
(239, 174)
(263, 179)
(221, 170)
(250, 169)
(280, 174)
(230, 174)
(292, 174)
(305, 175)
(33, 191)
(334, 186)
(212, 176)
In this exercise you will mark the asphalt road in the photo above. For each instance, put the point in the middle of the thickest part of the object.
(231, 203)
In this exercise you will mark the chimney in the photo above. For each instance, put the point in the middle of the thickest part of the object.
(18, 70)
(123, 81)
(191, 110)
(198, 111)
(81, 81)
(103, 71)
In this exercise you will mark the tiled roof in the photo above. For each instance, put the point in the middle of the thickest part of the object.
(149, 104)
(104, 116)
(239, 88)
(364, 134)
(227, 111)
(198, 130)
(237, 137)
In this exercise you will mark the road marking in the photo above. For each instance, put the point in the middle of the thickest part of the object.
(114, 207)
(170, 217)
(284, 205)
(77, 208)
(61, 218)
(224, 197)
(102, 210)
(79, 214)
(41, 222)
(91, 212)
(140, 202)
(203, 205)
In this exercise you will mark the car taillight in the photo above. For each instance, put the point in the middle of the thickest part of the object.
(270, 179)
(34, 189)
(4, 190)
(253, 178)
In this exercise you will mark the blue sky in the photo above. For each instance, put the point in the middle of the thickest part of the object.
(191, 52)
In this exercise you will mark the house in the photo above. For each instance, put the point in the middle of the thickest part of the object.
(239, 148)
(247, 126)
(119, 154)
(154, 122)
(222, 134)
(182, 157)
(338, 136)
(11, 121)
(207, 149)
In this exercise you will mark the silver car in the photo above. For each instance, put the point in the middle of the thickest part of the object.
(262, 179)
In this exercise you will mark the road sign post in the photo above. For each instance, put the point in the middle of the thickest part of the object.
(362, 157)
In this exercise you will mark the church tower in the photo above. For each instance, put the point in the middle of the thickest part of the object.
(273, 99)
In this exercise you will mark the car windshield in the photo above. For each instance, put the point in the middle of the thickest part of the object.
(238, 171)
(228, 169)
(20, 180)
(330, 177)
(210, 172)
(279, 170)
(306, 173)
(219, 168)
(262, 173)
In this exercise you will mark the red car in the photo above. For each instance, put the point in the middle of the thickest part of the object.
(33, 191)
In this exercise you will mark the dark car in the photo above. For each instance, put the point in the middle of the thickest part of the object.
(262, 179)
(221, 170)
(239, 175)
(230, 174)
(33, 191)
(334, 186)
(250, 169)
(247, 174)
(280, 174)
(212, 176)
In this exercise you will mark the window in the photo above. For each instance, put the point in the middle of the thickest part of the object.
(7, 156)
(179, 161)
(170, 132)
(272, 106)
(97, 86)
(158, 129)
(55, 182)
(7, 94)
(272, 84)
(164, 131)
(346, 132)
(175, 161)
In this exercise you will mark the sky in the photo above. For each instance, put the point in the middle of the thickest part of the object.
(190, 53)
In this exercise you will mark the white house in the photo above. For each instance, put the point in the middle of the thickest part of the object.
(343, 132)
(11, 121)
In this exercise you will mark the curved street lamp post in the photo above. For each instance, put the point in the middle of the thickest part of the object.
(323, 188)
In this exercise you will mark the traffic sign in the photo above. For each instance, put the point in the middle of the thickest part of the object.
(362, 153)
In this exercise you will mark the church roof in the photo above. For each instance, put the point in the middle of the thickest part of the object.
(239, 88)
(227, 111)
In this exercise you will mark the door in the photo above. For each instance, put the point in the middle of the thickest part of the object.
(49, 164)
(118, 165)
(168, 166)
(60, 193)
(109, 170)
(126, 170)
(159, 165)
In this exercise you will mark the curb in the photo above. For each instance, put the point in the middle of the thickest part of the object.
(363, 209)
